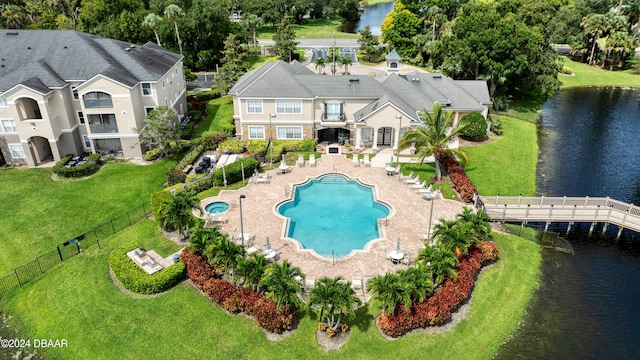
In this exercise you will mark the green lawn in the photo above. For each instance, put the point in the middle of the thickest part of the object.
(39, 213)
(507, 165)
(313, 29)
(427, 171)
(79, 302)
(585, 75)
(217, 109)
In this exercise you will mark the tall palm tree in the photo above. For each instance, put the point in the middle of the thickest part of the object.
(173, 12)
(439, 263)
(391, 290)
(346, 61)
(252, 269)
(319, 64)
(281, 284)
(152, 20)
(595, 25)
(330, 297)
(253, 21)
(432, 136)
(177, 210)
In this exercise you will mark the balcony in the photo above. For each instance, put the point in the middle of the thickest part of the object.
(328, 117)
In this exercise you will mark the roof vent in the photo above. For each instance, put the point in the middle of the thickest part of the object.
(12, 33)
(127, 49)
(354, 80)
(132, 46)
(29, 47)
(437, 76)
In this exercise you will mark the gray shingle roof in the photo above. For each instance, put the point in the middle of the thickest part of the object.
(46, 59)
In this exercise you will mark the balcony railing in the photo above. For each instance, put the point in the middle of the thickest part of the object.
(333, 117)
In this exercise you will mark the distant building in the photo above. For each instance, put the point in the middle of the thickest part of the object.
(287, 101)
(67, 92)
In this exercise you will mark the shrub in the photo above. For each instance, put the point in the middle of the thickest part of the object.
(199, 182)
(297, 145)
(157, 199)
(135, 279)
(211, 139)
(91, 166)
(278, 150)
(458, 177)
(496, 126)
(566, 70)
(152, 154)
(233, 171)
(257, 147)
(198, 270)
(234, 146)
(477, 125)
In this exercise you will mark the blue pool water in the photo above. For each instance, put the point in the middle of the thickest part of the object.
(333, 215)
(216, 207)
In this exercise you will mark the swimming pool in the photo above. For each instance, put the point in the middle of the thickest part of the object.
(333, 215)
(216, 207)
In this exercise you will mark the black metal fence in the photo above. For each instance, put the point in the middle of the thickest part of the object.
(68, 249)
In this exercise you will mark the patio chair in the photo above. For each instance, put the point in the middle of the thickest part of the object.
(312, 160)
(426, 190)
(406, 261)
(405, 177)
(356, 285)
(366, 160)
(309, 283)
(300, 162)
(419, 186)
(414, 180)
(356, 162)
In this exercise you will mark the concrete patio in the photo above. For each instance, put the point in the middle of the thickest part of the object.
(408, 220)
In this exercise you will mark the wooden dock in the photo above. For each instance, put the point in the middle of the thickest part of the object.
(562, 209)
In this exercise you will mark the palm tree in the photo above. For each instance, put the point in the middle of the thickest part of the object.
(459, 238)
(200, 237)
(225, 252)
(152, 20)
(320, 63)
(252, 269)
(281, 284)
(346, 61)
(432, 136)
(253, 21)
(419, 281)
(478, 220)
(172, 12)
(177, 210)
(330, 297)
(595, 25)
(391, 290)
(439, 263)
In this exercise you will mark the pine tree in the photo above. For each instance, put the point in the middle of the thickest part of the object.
(284, 39)
(234, 62)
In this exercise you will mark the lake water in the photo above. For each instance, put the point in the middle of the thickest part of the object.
(588, 304)
(373, 16)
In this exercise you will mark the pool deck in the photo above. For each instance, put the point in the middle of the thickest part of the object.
(408, 220)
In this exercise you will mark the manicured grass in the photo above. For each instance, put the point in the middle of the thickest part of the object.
(585, 75)
(507, 165)
(217, 109)
(256, 62)
(38, 213)
(427, 171)
(79, 302)
(313, 29)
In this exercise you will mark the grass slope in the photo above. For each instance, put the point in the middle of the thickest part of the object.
(585, 75)
(507, 165)
(79, 302)
(38, 213)
(216, 109)
(313, 29)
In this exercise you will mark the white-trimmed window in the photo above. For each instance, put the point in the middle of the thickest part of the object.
(256, 132)
(74, 93)
(333, 110)
(17, 151)
(289, 132)
(366, 134)
(86, 141)
(146, 89)
(97, 99)
(163, 85)
(148, 109)
(3, 101)
(254, 106)
(80, 116)
(289, 106)
(9, 126)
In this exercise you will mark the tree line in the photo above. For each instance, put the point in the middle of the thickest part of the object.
(508, 43)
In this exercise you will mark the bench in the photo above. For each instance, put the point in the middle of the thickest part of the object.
(187, 169)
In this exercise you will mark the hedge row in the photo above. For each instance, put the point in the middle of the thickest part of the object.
(233, 171)
(132, 277)
(458, 177)
(438, 308)
(234, 299)
(90, 167)
(157, 200)
(175, 147)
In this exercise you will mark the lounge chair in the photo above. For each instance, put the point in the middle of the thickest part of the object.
(300, 162)
(356, 285)
(366, 161)
(312, 160)
(214, 220)
(419, 186)
(309, 283)
(413, 180)
(405, 177)
(356, 162)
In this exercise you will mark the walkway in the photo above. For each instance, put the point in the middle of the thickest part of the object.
(408, 220)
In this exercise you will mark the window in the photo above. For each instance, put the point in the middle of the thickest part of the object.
(146, 89)
(9, 126)
(87, 142)
(102, 123)
(148, 109)
(256, 132)
(80, 115)
(289, 106)
(74, 92)
(3, 101)
(366, 134)
(17, 151)
(289, 132)
(333, 110)
(97, 99)
(254, 106)
(163, 84)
